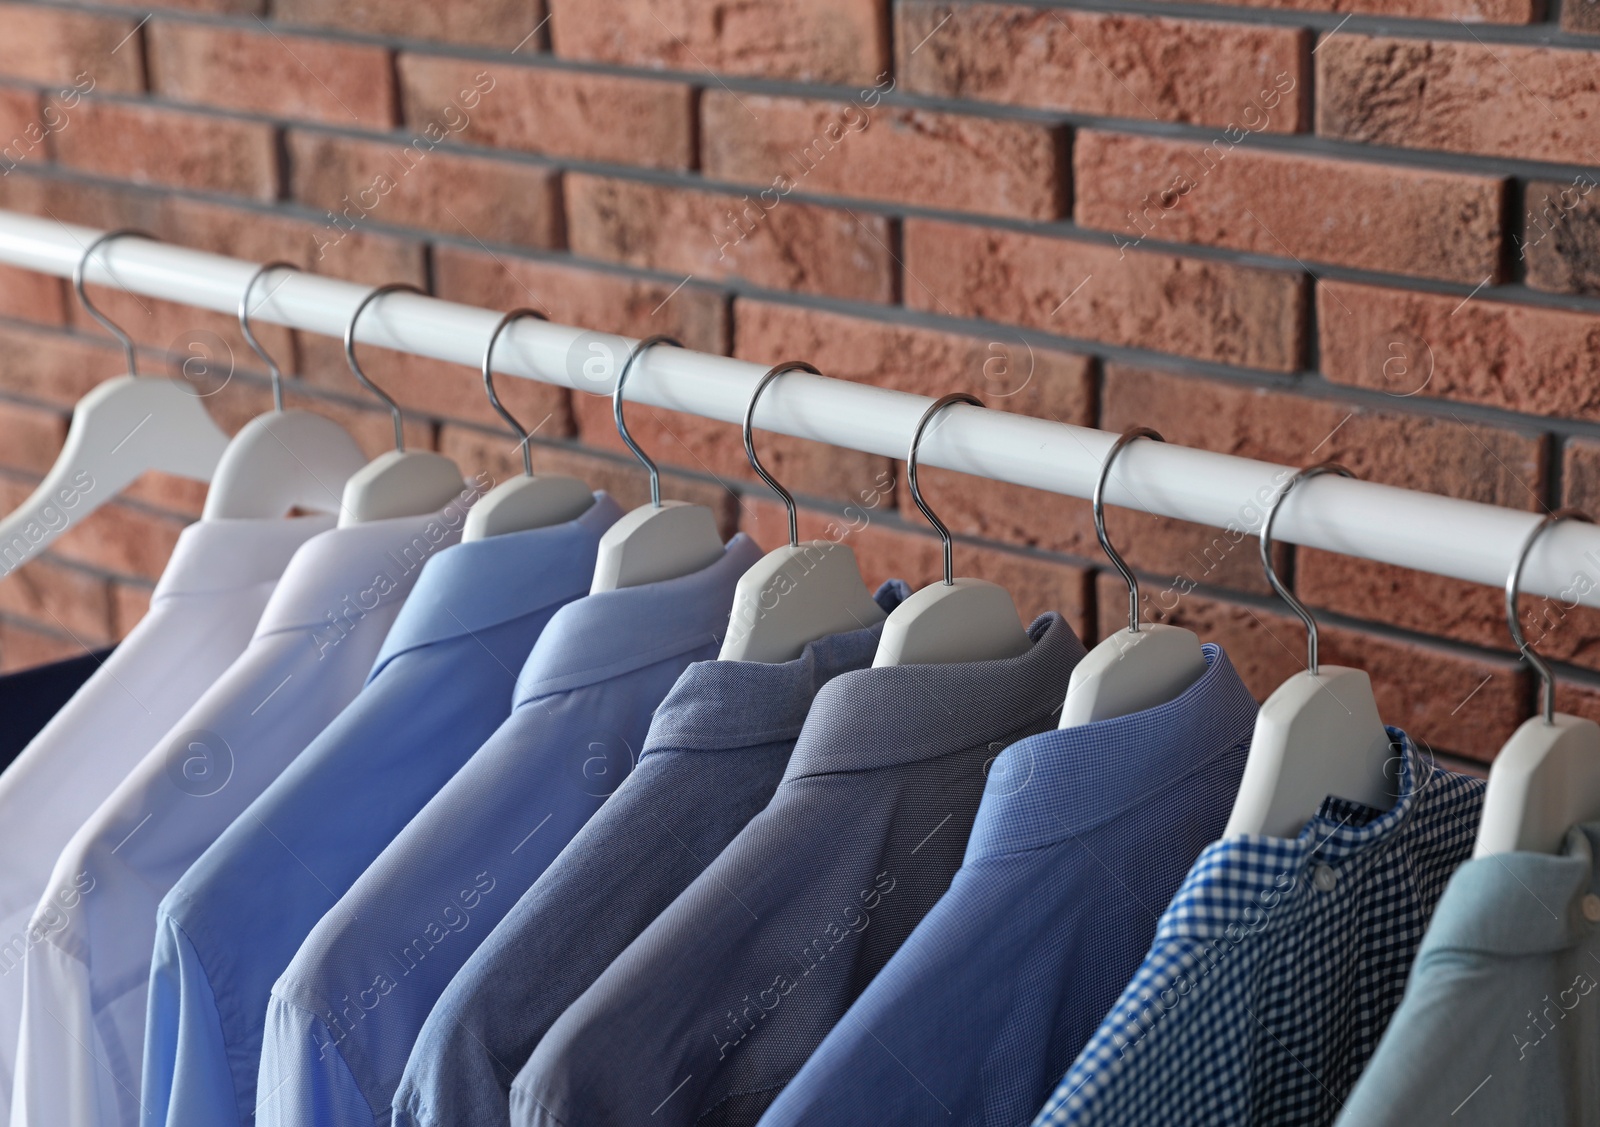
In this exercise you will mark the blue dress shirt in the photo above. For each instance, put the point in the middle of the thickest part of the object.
(722, 998)
(1276, 967)
(717, 748)
(1082, 834)
(343, 1017)
(440, 686)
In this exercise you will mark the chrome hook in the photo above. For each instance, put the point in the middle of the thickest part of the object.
(250, 336)
(350, 356)
(622, 427)
(911, 475)
(1547, 690)
(1266, 554)
(750, 445)
(77, 288)
(1127, 437)
(488, 383)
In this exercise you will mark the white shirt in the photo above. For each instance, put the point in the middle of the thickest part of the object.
(201, 616)
(85, 980)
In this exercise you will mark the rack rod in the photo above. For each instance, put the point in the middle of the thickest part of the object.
(1421, 531)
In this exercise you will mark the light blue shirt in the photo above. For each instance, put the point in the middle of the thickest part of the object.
(441, 684)
(1081, 834)
(343, 1017)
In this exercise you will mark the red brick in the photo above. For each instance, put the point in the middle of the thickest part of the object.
(625, 480)
(1369, 216)
(1582, 17)
(841, 41)
(1002, 369)
(502, 25)
(634, 121)
(416, 185)
(1469, 11)
(30, 437)
(120, 538)
(52, 366)
(65, 599)
(1448, 701)
(1561, 235)
(170, 148)
(23, 646)
(1107, 64)
(130, 602)
(27, 296)
(1464, 97)
(1210, 310)
(1517, 357)
(792, 246)
(952, 161)
(267, 72)
(23, 131)
(180, 496)
(886, 549)
(66, 49)
(1580, 475)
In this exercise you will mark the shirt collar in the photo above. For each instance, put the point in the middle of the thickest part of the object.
(478, 585)
(898, 714)
(225, 555)
(611, 633)
(344, 573)
(1063, 782)
(728, 705)
(1521, 903)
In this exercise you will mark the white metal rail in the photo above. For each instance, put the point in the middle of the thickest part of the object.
(1421, 531)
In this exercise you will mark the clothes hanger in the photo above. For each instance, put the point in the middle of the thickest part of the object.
(959, 619)
(124, 427)
(1318, 734)
(1143, 666)
(398, 482)
(798, 593)
(281, 460)
(1547, 777)
(522, 502)
(661, 540)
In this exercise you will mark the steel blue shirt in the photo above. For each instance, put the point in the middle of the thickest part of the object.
(722, 998)
(717, 748)
(440, 686)
(1276, 967)
(1081, 836)
(343, 1017)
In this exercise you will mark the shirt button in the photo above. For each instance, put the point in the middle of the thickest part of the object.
(1324, 878)
(1591, 908)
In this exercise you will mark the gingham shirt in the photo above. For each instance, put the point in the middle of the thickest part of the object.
(1277, 966)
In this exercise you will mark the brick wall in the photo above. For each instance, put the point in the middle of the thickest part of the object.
(1361, 229)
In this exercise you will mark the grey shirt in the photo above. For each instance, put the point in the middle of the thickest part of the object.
(1500, 1023)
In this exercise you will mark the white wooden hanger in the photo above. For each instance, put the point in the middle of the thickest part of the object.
(525, 502)
(661, 540)
(282, 460)
(126, 426)
(1317, 735)
(798, 593)
(398, 482)
(959, 619)
(1138, 668)
(1547, 777)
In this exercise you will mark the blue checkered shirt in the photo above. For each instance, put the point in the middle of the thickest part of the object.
(1277, 966)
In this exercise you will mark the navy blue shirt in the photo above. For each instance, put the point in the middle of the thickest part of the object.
(717, 1004)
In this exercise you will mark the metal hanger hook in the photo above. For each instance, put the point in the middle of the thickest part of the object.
(911, 474)
(1266, 554)
(77, 288)
(622, 427)
(250, 336)
(488, 383)
(355, 366)
(750, 444)
(1547, 690)
(1127, 437)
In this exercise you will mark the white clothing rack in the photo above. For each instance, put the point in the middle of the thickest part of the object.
(1421, 531)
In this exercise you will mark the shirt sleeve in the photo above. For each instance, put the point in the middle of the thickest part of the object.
(187, 1082)
(304, 1079)
(62, 1072)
